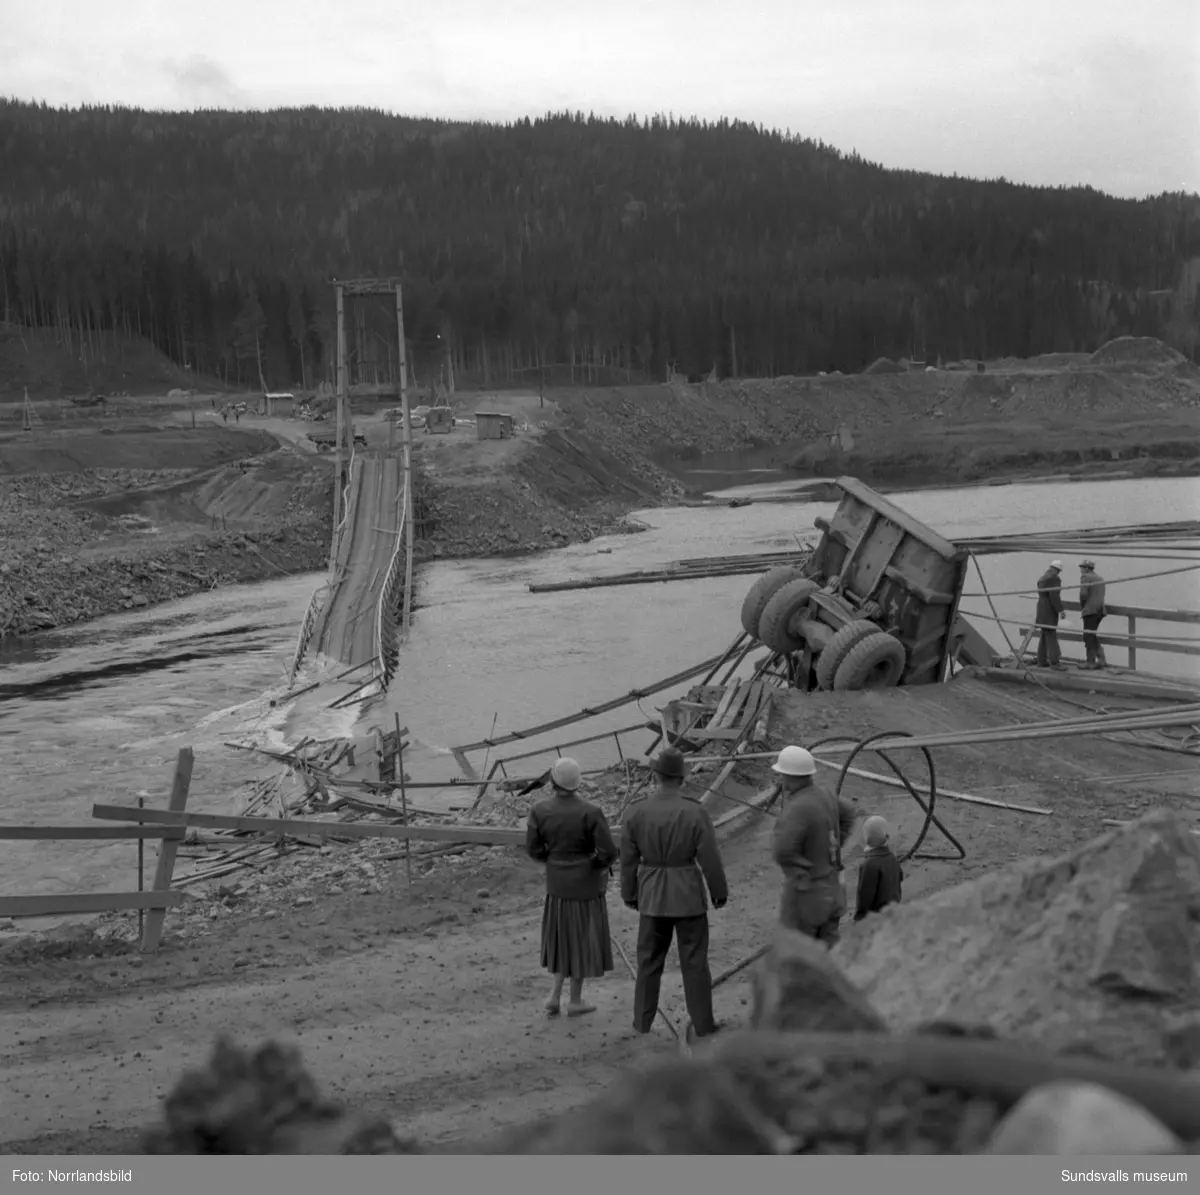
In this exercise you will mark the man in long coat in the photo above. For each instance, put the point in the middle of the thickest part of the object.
(669, 854)
(1091, 613)
(1049, 611)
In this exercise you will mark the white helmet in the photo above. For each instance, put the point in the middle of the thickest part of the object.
(566, 774)
(794, 761)
(1056, 565)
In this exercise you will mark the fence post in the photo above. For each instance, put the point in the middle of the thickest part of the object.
(1132, 648)
(142, 870)
(168, 848)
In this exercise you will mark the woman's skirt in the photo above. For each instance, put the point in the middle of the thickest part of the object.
(575, 938)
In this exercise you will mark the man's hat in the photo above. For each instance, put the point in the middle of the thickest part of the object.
(670, 764)
(1088, 564)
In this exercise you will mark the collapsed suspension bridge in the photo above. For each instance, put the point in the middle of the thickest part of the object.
(359, 615)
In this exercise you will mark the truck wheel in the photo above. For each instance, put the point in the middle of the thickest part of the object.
(762, 591)
(789, 601)
(832, 655)
(876, 662)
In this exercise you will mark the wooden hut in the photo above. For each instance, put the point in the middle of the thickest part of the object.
(491, 425)
(439, 420)
(277, 403)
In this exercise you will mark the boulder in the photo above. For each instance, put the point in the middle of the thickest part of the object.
(1093, 947)
(681, 1106)
(1181, 1042)
(1080, 1118)
(797, 987)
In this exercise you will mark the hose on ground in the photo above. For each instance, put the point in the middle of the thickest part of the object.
(929, 810)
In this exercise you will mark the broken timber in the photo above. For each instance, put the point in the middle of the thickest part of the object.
(460, 753)
(482, 835)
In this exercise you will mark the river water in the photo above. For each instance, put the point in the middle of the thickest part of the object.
(98, 712)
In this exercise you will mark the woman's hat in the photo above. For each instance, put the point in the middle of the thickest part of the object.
(566, 774)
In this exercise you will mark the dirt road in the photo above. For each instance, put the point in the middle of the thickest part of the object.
(439, 1027)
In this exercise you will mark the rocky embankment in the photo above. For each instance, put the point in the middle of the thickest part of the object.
(564, 489)
(1134, 403)
(62, 561)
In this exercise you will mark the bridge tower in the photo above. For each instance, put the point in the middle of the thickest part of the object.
(365, 288)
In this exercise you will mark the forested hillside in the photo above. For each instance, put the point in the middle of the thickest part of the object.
(625, 245)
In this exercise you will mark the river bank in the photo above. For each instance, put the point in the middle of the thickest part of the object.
(83, 542)
(138, 507)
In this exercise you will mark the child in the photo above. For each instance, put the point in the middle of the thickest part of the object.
(881, 875)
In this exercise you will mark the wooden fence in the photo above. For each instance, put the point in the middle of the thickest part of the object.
(1130, 640)
(156, 902)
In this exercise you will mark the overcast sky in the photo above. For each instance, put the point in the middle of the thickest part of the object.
(1103, 92)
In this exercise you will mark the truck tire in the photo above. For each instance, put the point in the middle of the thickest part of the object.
(875, 662)
(832, 655)
(762, 591)
(788, 601)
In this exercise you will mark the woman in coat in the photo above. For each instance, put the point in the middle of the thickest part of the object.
(571, 837)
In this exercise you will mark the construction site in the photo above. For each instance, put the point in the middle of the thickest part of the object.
(1034, 992)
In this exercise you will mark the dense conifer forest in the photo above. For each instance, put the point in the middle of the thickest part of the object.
(613, 247)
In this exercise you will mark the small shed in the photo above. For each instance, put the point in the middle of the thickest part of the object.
(278, 403)
(491, 425)
(439, 420)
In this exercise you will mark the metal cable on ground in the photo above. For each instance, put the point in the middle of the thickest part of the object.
(931, 817)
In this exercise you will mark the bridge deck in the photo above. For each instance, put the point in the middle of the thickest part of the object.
(345, 630)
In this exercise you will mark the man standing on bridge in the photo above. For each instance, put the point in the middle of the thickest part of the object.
(668, 853)
(1091, 611)
(1049, 611)
(812, 827)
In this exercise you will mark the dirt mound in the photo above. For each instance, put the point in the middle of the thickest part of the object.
(569, 468)
(272, 489)
(1097, 945)
(884, 365)
(49, 367)
(140, 448)
(1137, 350)
(1042, 361)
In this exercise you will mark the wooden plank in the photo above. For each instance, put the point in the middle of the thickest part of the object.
(733, 715)
(64, 833)
(1190, 616)
(64, 903)
(168, 848)
(1173, 649)
(719, 715)
(724, 733)
(487, 835)
(754, 702)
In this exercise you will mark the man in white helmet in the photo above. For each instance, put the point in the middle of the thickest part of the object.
(811, 830)
(1049, 611)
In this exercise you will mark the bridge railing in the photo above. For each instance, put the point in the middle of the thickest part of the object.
(321, 593)
(347, 490)
(307, 626)
(393, 598)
